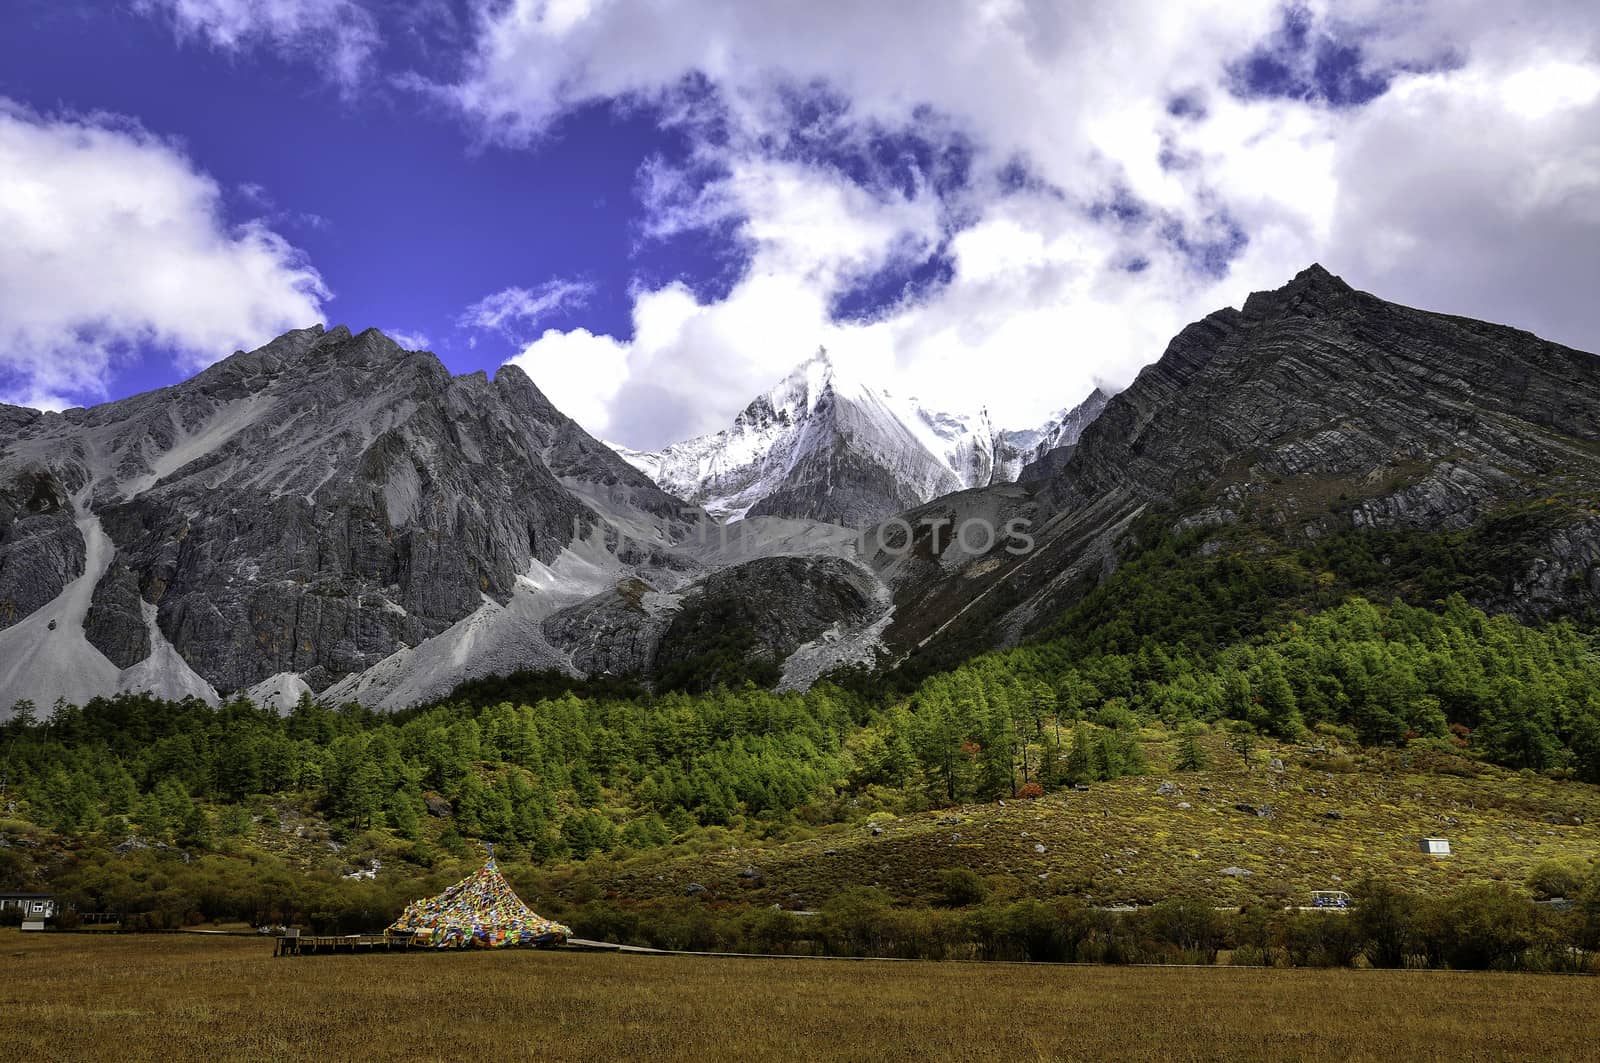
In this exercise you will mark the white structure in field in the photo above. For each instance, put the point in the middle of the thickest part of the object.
(1436, 846)
(34, 908)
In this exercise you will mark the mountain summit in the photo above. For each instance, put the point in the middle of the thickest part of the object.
(332, 513)
(1311, 412)
(825, 445)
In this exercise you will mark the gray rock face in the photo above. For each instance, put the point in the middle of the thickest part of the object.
(334, 512)
(1317, 379)
(40, 545)
(1046, 466)
(616, 632)
(1036, 455)
(309, 507)
(1313, 407)
(579, 460)
(768, 606)
(370, 502)
(115, 622)
(773, 604)
(1449, 496)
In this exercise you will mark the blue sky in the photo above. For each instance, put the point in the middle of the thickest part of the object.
(656, 208)
(406, 214)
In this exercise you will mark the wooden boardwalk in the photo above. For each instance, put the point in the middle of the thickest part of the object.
(324, 944)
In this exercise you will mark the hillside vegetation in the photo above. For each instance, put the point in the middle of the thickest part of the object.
(1307, 737)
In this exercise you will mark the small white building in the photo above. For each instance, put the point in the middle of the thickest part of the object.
(1436, 846)
(34, 908)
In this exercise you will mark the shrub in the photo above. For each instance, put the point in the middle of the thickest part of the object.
(1385, 921)
(1480, 927)
(1116, 716)
(1191, 926)
(1320, 939)
(1557, 878)
(961, 886)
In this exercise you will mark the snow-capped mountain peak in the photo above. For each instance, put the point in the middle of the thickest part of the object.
(824, 443)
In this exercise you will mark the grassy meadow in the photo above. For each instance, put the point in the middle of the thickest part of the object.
(171, 997)
(1124, 842)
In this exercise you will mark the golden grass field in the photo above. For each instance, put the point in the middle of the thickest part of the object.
(179, 997)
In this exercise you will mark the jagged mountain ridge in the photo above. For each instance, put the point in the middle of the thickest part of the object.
(333, 513)
(1311, 409)
(826, 445)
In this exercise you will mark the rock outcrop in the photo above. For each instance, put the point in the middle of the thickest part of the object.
(333, 513)
(766, 608)
(1311, 408)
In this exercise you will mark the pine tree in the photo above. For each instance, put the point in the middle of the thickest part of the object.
(196, 828)
(1243, 742)
(402, 812)
(1191, 757)
(363, 795)
(998, 755)
(24, 717)
(1080, 764)
(1276, 705)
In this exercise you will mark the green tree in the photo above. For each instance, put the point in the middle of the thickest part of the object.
(1387, 921)
(1191, 755)
(961, 886)
(1242, 740)
(1081, 766)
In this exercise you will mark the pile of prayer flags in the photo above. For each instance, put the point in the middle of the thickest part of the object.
(480, 911)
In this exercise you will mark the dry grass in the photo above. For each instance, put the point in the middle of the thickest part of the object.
(184, 997)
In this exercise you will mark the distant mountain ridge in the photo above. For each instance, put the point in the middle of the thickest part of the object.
(825, 445)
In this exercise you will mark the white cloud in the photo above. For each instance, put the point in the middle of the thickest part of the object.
(1453, 199)
(113, 239)
(1469, 186)
(341, 35)
(579, 372)
(1550, 88)
(516, 311)
(411, 341)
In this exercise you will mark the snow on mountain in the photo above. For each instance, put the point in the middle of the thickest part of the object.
(334, 514)
(825, 444)
(1021, 448)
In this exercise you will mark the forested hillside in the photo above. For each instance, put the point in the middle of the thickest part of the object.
(1215, 643)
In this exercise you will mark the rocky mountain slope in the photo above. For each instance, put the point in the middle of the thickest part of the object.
(826, 445)
(1312, 409)
(328, 513)
(332, 513)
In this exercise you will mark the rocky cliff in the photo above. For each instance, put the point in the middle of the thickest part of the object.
(1311, 409)
(330, 513)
